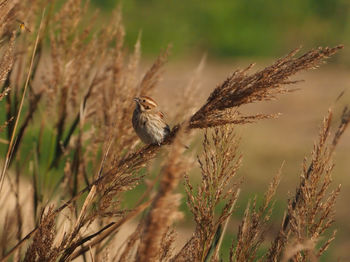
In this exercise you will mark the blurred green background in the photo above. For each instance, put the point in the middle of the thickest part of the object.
(241, 28)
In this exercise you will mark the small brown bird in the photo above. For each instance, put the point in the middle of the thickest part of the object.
(148, 121)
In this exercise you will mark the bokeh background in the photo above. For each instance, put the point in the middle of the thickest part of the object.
(234, 34)
(231, 29)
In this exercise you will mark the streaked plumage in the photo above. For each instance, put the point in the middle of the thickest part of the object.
(148, 121)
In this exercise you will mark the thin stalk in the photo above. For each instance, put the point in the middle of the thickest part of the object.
(12, 140)
(216, 254)
(105, 232)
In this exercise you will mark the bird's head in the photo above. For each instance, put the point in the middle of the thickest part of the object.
(145, 103)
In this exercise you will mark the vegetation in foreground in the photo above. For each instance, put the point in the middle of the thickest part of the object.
(74, 98)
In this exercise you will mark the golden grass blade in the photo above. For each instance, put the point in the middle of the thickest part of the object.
(102, 235)
(11, 144)
(216, 254)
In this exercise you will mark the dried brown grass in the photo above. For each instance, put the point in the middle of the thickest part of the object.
(311, 211)
(254, 225)
(86, 93)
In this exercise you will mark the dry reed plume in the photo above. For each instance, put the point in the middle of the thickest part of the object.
(73, 99)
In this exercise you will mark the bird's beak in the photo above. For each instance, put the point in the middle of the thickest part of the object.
(137, 100)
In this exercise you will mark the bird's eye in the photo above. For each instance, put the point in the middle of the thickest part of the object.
(144, 100)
